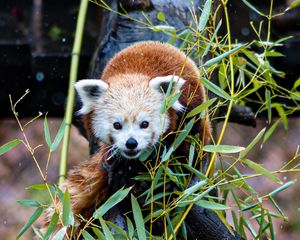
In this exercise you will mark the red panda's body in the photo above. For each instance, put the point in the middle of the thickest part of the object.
(123, 111)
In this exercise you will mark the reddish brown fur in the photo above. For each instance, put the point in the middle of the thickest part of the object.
(87, 183)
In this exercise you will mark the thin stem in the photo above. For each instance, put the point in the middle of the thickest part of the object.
(71, 90)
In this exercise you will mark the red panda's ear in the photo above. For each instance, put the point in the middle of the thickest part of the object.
(161, 85)
(90, 91)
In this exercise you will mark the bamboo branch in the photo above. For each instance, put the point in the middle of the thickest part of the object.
(71, 90)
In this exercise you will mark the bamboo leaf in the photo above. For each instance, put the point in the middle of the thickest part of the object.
(204, 15)
(212, 38)
(58, 137)
(252, 144)
(223, 148)
(8, 146)
(183, 134)
(67, 215)
(111, 202)
(269, 105)
(270, 131)
(170, 174)
(223, 55)
(282, 115)
(98, 233)
(174, 98)
(130, 227)
(106, 231)
(167, 155)
(215, 89)
(201, 107)
(138, 218)
(31, 220)
(51, 226)
(195, 187)
(117, 229)
(60, 234)
(211, 205)
(253, 8)
(87, 236)
(282, 188)
(259, 169)
(41, 186)
(47, 133)
(161, 16)
(294, 4)
(29, 203)
(191, 154)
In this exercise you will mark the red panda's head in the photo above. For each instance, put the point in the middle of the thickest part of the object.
(126, 110)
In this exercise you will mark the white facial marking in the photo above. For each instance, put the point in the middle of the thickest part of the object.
(129, 108)
(90, 90)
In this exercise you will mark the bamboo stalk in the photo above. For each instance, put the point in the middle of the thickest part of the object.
(71, 90)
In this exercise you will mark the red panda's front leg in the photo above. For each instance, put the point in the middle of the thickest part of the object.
(88, 188)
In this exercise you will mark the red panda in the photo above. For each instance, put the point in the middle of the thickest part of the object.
(122, 110)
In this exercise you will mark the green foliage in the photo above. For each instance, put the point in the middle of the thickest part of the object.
(244, 76)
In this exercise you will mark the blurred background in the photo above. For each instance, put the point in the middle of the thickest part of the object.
(36, 39)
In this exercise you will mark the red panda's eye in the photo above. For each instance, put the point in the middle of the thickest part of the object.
(144, 124)
(117, 125)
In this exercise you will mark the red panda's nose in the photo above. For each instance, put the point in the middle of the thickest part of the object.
(131, 143)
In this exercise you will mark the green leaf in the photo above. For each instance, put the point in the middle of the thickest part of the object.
(193, 189)
(29, 203)
(274, 54)
(170, 226)
(269, 105)
(212, 38)
(271, 130)
(87, 236)
(166, 155)
(215, 89)
(8, 146)
(40, 186)
(164, 28)
(67, 216)
(174, 98)
(252, 144)
(107, 232)
(138, 218)
(111, 202)
(259, 169)
(201, 107)
(161, 16)
(51, 226)
(183, 134)
(282, 115)
(211, 205)
(98, 233)
(204, 15)
(146, 154)
(294, 4)
(223, 55)
(191, 154)
(253, 8)
(170, 174)
(47, 133)
(130, 227)
(223, 148)
(117, 229)
(31, 220)
(58, 137)
(60, 234)
(282, 188)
